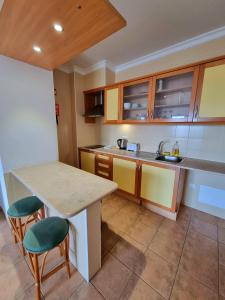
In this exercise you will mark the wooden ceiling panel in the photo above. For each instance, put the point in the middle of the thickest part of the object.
(26, 23)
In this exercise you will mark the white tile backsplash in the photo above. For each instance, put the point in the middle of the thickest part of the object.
(196, 141)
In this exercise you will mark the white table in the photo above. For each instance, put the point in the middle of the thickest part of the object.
(76, 195)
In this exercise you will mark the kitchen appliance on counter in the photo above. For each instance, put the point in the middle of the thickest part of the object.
(122, 143)
(133, 147)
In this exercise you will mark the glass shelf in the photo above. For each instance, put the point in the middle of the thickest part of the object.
(173, 96)
(135, 101)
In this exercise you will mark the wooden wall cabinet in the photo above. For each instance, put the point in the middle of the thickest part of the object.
(112, 104)
(87, 161)
(210, 104)
(159, 185)
(174, 95)
(135, 101)
(125, 174)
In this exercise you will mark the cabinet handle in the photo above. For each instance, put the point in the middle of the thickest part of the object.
(151, 115)
(196, 112)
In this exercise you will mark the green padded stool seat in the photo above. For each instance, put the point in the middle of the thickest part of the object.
(25, 207)
(42, 237)
(21, 213)
(46, 234)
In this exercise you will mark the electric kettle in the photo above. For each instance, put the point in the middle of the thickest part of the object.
(122, 144)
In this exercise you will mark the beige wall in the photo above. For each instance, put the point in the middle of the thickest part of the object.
(194, 54)
(87, 134)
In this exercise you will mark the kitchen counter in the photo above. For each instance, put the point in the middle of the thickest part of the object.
(64, 188)
(75, 194)
(186, 163)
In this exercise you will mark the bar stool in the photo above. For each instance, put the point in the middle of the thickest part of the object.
(42, 237)
(30, 208)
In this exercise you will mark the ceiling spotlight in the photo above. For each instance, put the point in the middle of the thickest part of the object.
(37, 49)
(58, 27)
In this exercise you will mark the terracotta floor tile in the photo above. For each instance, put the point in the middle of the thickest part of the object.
(132, 208)
(205, 217)
(116, 201)
(86, 291)
(9, 256)
(187, 288)
(109, 237)
(112, 278)
(222, 254)
(130, 253)
(137, 289)
(158, 273)
(29, 294)
(185, 212)
(222, 280)
(176, 228)
(60, 286)
(208, 229)
(142, 233)
(200, 259)
(16, 280)
(221, 234)
(108, 212)
(122, 220)
(167, 246)
(150, 218)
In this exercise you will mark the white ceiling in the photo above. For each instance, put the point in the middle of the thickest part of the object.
(153, 25)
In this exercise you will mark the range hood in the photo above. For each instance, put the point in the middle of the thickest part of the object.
(98, 109)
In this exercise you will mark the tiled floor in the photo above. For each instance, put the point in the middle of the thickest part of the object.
(145, 256)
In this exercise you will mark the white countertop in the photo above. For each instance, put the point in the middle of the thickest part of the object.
(64, 188)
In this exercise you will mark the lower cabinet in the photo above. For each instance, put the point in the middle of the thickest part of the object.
(159, 185)
(124, 174)
(87, 161)
(149, 183)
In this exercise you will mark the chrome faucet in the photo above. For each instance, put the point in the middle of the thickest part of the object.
(160, 148)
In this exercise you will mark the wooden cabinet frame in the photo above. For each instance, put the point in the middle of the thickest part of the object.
(177, 189)
(150, 87)
(195, 70)
(119, 104)
(136, 197)
(199, 93)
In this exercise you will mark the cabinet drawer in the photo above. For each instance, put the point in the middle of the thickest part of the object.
(103, 166)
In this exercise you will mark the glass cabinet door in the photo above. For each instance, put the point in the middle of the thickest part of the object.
(173, 97)
(136, 101)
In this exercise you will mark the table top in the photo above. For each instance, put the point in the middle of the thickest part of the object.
(64, 188)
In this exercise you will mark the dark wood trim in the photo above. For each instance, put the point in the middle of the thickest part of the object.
(199, 93)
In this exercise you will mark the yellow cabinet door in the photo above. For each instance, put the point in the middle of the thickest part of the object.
(87, 161)
(112, 104)
(124, 174)
(157, 185)
(212, 94)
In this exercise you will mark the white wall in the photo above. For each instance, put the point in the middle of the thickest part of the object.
(27, 115)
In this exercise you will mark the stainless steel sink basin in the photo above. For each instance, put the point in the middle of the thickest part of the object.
(175, 159)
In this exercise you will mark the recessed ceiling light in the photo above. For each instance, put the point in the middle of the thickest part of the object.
(37, 49)
(58, 27)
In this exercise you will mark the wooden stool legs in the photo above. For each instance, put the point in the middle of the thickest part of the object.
(19, 228)
(38, 273)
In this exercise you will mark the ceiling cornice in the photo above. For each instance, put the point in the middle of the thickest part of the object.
(99, 65)
(195, 41)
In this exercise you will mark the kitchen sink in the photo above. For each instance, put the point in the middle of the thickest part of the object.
(175, 159)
